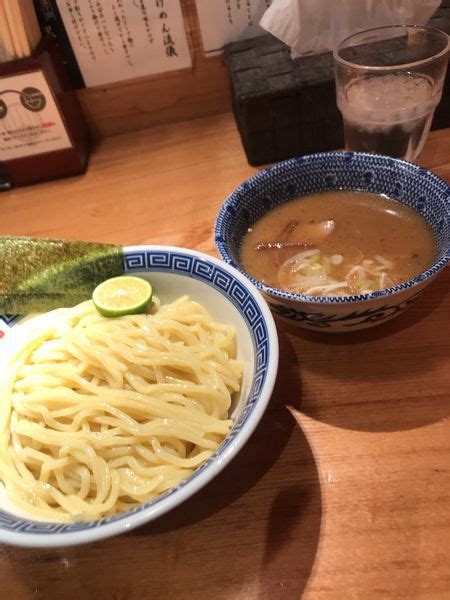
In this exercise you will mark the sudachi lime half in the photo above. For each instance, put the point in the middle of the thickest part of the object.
(124, 295)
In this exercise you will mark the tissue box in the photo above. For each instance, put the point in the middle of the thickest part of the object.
(286, 107)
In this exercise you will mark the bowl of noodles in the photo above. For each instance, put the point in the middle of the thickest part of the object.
(108, 423)
(338, 241)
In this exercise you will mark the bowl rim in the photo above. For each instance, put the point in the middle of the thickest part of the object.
(233, 199)
(99, 529)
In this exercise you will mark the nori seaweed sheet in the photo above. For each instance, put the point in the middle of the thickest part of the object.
(39, 274)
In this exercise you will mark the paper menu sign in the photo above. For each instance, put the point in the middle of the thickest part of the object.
(30, 122)
(123, 39)
(224, 21)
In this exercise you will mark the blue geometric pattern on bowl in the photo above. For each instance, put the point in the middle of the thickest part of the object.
(9, 319)
(226, 284)
(355, 318)
(406, 182)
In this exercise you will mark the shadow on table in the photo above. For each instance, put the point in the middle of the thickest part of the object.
(252, 532)
(391, 377)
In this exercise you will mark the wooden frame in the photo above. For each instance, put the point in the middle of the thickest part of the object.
(167, 97)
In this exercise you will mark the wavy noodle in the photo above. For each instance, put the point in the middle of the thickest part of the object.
(99, 415)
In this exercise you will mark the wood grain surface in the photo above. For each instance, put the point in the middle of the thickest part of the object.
(344, 489)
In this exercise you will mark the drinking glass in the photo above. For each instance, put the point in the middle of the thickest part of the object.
(389, 81)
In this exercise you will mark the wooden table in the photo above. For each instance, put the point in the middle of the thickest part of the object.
(344, 489)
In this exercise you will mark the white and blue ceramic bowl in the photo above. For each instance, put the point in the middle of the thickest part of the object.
(230, 298)
(408, 183)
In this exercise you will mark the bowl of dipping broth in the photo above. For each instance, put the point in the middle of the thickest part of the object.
(338, 241)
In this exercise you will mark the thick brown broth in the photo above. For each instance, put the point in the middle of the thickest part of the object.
(363, 226)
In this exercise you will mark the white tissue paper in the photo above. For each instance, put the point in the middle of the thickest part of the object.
(310, 26)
